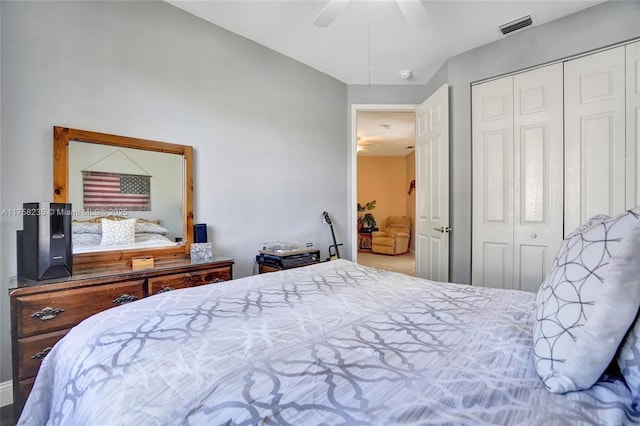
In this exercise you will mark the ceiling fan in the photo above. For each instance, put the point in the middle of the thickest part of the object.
(365, 145)
(412, 10)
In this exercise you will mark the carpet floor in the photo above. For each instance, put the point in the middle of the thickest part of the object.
(404, 263)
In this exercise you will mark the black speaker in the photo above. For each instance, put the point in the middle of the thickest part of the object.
(200, 232)
(19, 271)
(46, 241)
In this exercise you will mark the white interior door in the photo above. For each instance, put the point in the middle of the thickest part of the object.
(492, 133)
(594, 136)
(538, 174)
(633, 124)
(432, 187)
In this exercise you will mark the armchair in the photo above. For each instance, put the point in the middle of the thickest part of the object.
(394, 238)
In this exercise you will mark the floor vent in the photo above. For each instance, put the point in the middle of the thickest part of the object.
(516, 25)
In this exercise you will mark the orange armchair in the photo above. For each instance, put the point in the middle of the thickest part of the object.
(394, 239)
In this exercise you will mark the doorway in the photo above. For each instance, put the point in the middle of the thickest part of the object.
(383, 141)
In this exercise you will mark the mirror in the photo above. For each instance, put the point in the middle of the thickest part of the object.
(153, 183)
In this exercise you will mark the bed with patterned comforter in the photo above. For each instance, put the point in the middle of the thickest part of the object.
(334, 343)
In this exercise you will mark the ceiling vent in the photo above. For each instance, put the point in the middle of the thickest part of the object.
(517, 25)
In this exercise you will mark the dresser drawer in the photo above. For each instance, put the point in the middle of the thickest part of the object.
(32, 350)
(24, 389)
(190, 279)
(58, 310)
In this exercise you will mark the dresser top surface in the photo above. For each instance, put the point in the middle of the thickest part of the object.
(117, 272)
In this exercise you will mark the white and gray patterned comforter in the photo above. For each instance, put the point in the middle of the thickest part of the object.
(333, 343)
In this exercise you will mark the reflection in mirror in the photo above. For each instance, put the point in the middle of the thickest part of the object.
(131, 183)
(151, 184)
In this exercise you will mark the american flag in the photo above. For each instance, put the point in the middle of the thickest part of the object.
(102, 190)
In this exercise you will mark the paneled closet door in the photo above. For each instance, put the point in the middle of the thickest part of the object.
(538, 173)
(492, 239)
(517, 178)
(633, 124)
(595, 171)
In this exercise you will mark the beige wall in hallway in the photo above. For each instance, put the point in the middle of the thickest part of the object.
(383, 179)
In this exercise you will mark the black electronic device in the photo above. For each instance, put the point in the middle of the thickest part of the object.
(19, 271)
(46, 241)
(200, 232)
(288, 260)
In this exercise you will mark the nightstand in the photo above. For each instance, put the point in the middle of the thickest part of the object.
(364, 242)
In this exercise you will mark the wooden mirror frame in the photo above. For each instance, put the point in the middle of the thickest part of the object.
(61, 138)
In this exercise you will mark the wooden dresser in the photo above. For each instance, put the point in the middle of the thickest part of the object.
(42, 312)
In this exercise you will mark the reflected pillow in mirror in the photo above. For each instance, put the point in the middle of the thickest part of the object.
(86, 239)
(118, 231)
(86, 228)
(150, 228)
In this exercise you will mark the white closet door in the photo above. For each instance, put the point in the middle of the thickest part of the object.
(538, 174)
(633, 124)
(594, 136)
(492, 133)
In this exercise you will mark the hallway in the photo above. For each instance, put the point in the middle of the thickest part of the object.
(404, 263)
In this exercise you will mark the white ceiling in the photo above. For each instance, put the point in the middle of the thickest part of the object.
(382, 133)
(370, 42)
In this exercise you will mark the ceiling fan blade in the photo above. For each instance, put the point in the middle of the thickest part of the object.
(413, 11)
(329, 13)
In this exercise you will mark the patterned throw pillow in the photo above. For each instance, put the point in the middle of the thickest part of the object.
(626, 266)
(86, 228)
(86, 240)
(118, 231)
(150, 228)
(581, 317)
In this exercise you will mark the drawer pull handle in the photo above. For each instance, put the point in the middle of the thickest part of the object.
(165, 289)
(218, 280)
(41, 355)
(47, 313)
(125, 298)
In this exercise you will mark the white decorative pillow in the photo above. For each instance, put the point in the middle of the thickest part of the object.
(569, 240)
(118, 231)
(626, 267)
(581, 317)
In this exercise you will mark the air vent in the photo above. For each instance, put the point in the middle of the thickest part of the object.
(516, 25)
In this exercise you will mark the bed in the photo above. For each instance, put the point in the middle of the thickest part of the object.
(126, 234)
(332, 343)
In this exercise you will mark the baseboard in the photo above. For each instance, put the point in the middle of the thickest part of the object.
(6, 393)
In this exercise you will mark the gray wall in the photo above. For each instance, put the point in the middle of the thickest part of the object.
(596, 27)
(269, 133)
